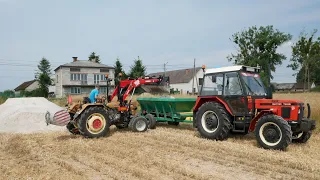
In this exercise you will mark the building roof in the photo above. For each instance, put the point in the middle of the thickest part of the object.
(301, 85)
(24, 85)
(84, 63)
(229, 69)
(283, 86)
(178, 76)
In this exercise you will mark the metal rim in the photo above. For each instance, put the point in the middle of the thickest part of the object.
(96, 123)
(140, 125)
(207, 121)
(270, 131)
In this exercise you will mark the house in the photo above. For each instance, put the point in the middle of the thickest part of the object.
(292, 87)
(26, 86)
(181, 80)
(283, 87)
(81, 76)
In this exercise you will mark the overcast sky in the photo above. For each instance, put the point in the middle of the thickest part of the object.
(173, 31)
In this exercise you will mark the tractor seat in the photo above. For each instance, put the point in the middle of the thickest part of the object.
(86, 100)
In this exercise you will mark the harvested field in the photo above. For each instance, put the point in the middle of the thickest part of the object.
(164, 153)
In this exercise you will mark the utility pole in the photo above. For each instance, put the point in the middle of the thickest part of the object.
(194, 68)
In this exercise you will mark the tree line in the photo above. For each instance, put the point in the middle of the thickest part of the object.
(255, 46)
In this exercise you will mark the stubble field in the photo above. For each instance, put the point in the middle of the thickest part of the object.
(166, 152)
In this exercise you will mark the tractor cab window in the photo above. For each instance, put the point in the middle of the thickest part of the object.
(232, 84)
(212, 85)
(253, 84)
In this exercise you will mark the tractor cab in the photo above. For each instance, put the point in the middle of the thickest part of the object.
(237, 86)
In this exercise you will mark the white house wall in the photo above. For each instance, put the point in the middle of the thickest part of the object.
(65, 80)
(185, 87)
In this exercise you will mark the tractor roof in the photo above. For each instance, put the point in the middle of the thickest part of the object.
(232, 68)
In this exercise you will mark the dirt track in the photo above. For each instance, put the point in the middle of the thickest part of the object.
(163, 153)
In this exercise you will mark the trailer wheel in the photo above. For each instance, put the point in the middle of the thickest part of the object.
(151, 121)
(138, 124)
(213, 121)
(301, 137)
(94, 122)
(273, 132)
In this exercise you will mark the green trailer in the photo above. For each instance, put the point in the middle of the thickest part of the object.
(171, 110)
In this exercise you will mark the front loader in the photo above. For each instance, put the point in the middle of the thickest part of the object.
(93, 120)
(234, 100)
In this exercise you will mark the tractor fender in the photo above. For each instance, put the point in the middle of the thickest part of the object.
(258, 116)
(202, 100)
(84, 107)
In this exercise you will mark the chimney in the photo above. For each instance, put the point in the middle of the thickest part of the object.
(75, 59)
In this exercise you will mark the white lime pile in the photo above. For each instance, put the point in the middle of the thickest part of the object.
(27, 115)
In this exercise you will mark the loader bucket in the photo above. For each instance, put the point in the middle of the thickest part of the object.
(168, 109)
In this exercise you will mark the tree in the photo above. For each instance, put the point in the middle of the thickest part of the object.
(94, 58)
(258, 46)
(118, 69)
(306, 58)
(138, 69)
(43, 77)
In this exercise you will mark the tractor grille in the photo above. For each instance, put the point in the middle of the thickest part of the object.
(285, 112)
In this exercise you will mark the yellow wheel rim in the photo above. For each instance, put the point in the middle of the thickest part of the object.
(96, 123)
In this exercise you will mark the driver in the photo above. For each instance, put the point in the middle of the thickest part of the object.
(94, 95)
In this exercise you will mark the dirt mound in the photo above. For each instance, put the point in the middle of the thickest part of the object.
(26, 115)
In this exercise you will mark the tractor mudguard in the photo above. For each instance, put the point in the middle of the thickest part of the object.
(202, 100)
(255, 119)
(84, 107)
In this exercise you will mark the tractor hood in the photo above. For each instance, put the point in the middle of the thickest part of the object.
(278, 102)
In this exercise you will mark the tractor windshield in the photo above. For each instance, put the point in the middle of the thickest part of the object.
(253, 84)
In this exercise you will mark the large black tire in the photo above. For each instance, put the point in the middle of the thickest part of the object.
(302, 138)
(151, 121)
(220, 121)
(138, 124)
(84, 128)
(278, 130)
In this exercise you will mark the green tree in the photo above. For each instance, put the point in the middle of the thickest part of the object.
(43, 77)
(258, 46)
(94, 58)
(118, 69)
(138, 69)
(306, 58)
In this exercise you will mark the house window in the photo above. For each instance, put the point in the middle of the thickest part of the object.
(78, 77)
(75, 69)
(103, 90)
(75, 90)
(57, 79)
(98, 78)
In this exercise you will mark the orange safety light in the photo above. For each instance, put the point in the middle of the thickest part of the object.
(203, 66)
(120, 74)
(69, 99)
(107, 75)
(122, 108)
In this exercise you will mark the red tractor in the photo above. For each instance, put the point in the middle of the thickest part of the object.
(234, 100)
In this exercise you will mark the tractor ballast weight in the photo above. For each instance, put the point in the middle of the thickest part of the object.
(234, 100)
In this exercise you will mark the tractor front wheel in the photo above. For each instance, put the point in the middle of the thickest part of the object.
(138, 124)
(72, 129)
(273, 132)
(94, 122)
(301, 137)
(213, 121)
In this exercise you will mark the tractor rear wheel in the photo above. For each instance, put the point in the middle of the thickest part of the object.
(138, 124)
(301, 137)
(273, 132)
(213, 121)
(151, 121)
(94, 122)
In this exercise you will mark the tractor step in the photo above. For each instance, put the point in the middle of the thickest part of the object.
(239, 126)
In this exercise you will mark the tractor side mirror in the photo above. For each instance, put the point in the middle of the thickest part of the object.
(214, 78)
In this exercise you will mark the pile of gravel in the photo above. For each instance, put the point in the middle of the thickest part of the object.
(27, 115)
